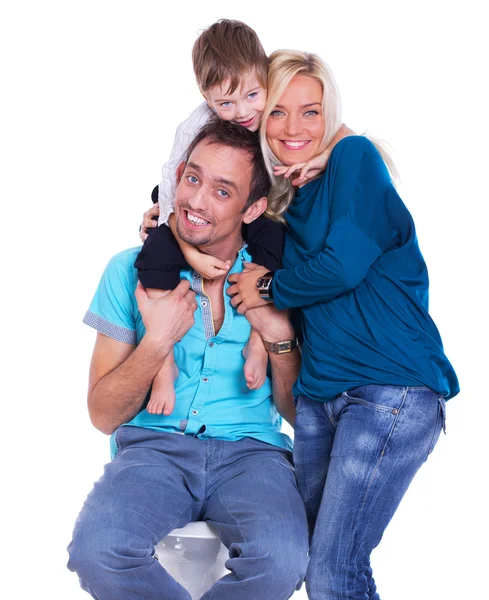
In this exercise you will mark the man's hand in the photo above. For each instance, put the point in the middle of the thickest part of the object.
(167, 319)
(271, 323)
(244, 292)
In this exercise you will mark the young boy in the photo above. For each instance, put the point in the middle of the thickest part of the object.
(231, 69)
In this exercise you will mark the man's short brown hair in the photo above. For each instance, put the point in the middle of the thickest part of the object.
(225, 133)
(227, 50)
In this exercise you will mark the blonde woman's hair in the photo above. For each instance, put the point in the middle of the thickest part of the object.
(283, 66)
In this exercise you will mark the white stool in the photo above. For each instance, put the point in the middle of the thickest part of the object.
(194, 556)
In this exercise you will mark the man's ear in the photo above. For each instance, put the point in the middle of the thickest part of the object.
(180, 170)
(255, 210)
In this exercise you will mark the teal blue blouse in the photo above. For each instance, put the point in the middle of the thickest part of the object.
(353, 266)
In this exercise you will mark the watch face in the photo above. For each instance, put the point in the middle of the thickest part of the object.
(263, 285)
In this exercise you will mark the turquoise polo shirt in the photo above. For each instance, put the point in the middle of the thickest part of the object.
(212, 400)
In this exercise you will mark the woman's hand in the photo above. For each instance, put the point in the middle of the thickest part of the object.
(244, 292)
(148, 221)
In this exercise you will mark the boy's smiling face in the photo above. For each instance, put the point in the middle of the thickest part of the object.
(244, 106)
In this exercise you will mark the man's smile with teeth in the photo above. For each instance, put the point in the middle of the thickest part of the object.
(196, 220)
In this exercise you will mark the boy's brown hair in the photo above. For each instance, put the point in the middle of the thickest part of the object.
(227, 50)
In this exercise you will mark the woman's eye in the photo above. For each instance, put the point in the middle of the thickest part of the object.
(253, 95)
(276, 113)
(311, 113)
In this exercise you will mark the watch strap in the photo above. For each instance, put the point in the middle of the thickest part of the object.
(282, 347)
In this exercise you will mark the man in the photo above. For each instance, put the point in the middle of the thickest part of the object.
(219, 456)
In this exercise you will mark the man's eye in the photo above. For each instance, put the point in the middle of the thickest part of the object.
(223, 193)
(192, 179)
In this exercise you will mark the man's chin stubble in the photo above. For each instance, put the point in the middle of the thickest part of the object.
(190, 239)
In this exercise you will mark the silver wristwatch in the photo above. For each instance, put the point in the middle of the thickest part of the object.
(281, 347)
(264, 286)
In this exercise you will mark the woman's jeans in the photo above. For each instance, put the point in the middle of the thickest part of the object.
(159, 481)
(355, 457)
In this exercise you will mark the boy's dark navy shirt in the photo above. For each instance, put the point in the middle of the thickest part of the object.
(353, 266)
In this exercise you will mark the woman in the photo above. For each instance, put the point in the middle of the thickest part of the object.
(374, 379)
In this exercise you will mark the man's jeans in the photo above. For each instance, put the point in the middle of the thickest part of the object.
(355, 458)
(158, 481)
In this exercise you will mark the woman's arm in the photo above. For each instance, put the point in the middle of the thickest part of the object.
(359, 232)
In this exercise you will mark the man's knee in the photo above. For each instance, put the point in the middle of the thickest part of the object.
(285, 563)
(94, 552)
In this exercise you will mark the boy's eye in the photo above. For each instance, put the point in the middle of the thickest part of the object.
(226, 104)
(223, 193)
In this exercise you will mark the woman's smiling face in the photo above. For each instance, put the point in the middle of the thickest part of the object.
(295, 127)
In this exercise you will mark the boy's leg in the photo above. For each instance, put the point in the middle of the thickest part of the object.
(153, 485)
(162, 399)
(383, 435)
(256, 356)
(255, 506)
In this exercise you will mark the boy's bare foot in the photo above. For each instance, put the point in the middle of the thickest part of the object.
(255, 368)
(163, 397)
(163, 401)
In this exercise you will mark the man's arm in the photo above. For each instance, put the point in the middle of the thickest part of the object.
(274, 326)
(121, 374)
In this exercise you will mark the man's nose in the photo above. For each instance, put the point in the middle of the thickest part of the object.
(198, 200)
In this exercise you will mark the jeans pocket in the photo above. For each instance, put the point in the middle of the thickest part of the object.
(439, 425)
(355, 396)
(119, 438)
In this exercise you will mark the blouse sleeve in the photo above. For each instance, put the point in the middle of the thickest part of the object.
(186, 132)
(359, 228)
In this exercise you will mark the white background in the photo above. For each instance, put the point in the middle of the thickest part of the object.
(91, 94)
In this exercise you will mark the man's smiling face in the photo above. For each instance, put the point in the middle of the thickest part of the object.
(212, 192)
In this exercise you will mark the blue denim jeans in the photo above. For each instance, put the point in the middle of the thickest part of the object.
(355, 458)
(158, 481)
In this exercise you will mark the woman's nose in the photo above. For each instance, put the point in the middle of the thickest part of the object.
(292, 125)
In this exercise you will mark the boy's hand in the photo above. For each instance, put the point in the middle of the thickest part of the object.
(148, 221)
(308, 170)
(205, 264)
(317, 164)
